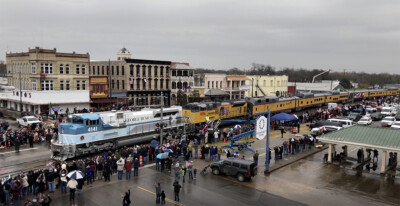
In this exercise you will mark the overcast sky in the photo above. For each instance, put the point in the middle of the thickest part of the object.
(356, 35)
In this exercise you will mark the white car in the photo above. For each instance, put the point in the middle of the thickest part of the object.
(370, 109)
(396, 125)
(28, 120)
(365, 121)
(325, 129)
(388, 120)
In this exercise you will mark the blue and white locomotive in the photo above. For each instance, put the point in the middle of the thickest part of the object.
(95, 132)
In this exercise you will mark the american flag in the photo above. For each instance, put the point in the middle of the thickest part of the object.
(145, 80)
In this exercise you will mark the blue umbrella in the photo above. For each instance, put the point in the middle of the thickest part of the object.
(163, 155)
(237, 126)
(154, 143)
(168, 150)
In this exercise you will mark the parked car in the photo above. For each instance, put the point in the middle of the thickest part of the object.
(388, 120)
(377, 116)
(324, 123)
(397, 117)
(324, 129)
(365, 121)
(27, 120)
(370, 109)
(354, 116)
(242, 169)
(379, 124)
(387, 111)
(396, 125)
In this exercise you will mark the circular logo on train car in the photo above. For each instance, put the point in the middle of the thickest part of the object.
(82, 137)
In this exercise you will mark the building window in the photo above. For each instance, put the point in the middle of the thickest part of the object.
(83, 85)
(112, 70)
(67, 85)
(123, 84)
(166, 86)
(112, 83)
(162, 71)
(173, 73)
(33, 68)
(216, 84)
(78, 85)
(208, 82)
(138, 84)
(117, 82)
(47, 85)
(131, 70)
(102, 70)
(61, 68)
(94, 70)
(220, 84)
(144, 70)
(34, 85)
(155, 83)
(77, 69)
(83, 69)
(144, 85)
(61, 84)
(212, 83)
(149, 71)
(67, 69)
(137, 70)
(117, 70)
(108, 70)
(167, 71)
(161, 83)
(122, 70)
(46, 68)
(173, 85)
(149, 83)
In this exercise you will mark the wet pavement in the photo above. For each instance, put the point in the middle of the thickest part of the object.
(306, 181)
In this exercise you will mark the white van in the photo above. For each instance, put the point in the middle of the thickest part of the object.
(345, 122)
(387, 111)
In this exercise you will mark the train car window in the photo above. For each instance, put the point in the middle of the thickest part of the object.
(77, 121)
(307, 102)
(87, 122)
(302, 102)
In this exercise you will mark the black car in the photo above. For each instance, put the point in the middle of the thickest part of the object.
(377, 116)
(354, 116)
(242, 169)
(325, 123)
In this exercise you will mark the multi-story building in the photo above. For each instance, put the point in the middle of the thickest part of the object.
(137, 82)
(182, 78)
(234, 85)
(265, 85)
(38, 71)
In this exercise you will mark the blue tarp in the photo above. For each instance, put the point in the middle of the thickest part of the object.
(283, 116)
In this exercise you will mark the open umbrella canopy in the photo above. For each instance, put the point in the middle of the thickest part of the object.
(237, 126)
(163, 155)
(283, 116)
(154, 143)
(76, 174)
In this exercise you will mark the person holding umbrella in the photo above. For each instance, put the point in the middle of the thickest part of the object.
(72, 183)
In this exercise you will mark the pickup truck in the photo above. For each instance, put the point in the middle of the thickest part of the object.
(27, 120)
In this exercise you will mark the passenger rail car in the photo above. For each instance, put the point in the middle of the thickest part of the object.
(95, 132)
(196, 113)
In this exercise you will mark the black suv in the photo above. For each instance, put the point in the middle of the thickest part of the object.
(242, 169)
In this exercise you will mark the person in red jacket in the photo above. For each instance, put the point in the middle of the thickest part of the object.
(128, 169)
(16, 190)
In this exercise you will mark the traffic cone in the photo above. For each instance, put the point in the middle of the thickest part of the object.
(200, 154)
(141, 160)
(224, 140)
(239, 156)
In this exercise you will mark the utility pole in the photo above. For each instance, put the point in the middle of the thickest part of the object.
(162, 117)
(109, 82)
(20, 91)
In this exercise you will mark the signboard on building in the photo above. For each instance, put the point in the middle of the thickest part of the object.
(244, 88)
(261, 128)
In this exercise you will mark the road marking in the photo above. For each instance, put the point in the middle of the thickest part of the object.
(19, 150)
(166, 199)
(149, 165)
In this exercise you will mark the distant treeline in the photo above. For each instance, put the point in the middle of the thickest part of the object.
(304, 75)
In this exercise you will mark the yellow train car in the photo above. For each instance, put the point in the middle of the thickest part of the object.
(228, 110)
(376, 93)
(339, 97)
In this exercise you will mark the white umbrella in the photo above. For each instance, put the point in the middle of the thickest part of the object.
(237, 126)
(76, 174)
